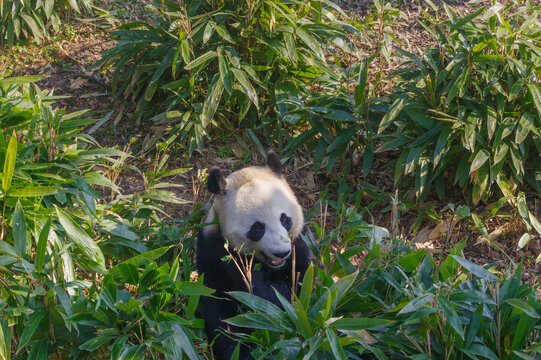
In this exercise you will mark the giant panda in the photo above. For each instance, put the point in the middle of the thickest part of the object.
(254, 212)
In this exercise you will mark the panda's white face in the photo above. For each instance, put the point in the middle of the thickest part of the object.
(258, 213)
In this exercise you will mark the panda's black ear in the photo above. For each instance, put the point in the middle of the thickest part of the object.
(273, 162)
(216, 181)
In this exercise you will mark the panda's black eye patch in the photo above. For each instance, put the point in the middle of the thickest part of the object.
(256, 232)
(286, 221)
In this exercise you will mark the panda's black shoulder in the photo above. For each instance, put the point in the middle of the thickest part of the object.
(219, 274)
(210, 250)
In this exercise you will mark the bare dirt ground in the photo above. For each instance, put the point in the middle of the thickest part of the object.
(67, 63)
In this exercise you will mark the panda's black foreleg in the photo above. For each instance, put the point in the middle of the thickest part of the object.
(216, 310)
(221, 276)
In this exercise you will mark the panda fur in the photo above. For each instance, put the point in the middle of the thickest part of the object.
(257, 212)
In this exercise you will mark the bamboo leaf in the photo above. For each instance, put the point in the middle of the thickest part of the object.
(30, 328)
(7, 249)
(258, 304)
(480, 225)
(42, 245)
(466, 19)
(337, 350)
(291, 48)
(209, 30)
(178, 342)
(220, 29)
(153, 85)
(524, 240)
(473, 328)
(95, 342)
(19, 80)
(19, 230)
(522, 207)
(35, 191)
(303, 324)
(203, 59)
(416, 303)
(39, 351)
(185, 50)
(9, 163)
(360, 323)
(81, 239)
(535, 222)
(129, 273)
(49, 6)
(392, 113)
(492, 119)
(360, 89)
(74, 5)
(500, 153)
(368, 158)
(214, 95)
(189, 288)
(312, 43)
(225, 73)
(524, 125)
(97, 178)
(141, 259)
(441, 145)
(479, 160)
(306, 289)
(474, 268)
(493, 10)
(451, 314)
(536, 96)
(247, 87)
(524, 307)
(163, 195)
(33, 26)
(254, 321)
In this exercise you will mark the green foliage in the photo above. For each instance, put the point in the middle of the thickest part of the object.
(468, 112)
(87, 272)
(338, 120)
(334, 126)
(79, 273)
(227, 64)
(86, 276)
(395, 303)
(33, 18)
(379, 24)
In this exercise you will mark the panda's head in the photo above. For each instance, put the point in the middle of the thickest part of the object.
(257, 211)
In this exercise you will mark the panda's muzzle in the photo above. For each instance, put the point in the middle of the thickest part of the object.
(282, 255)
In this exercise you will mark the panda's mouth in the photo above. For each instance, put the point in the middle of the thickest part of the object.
(273, 262)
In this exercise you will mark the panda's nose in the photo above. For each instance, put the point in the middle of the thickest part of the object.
(282, 254)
